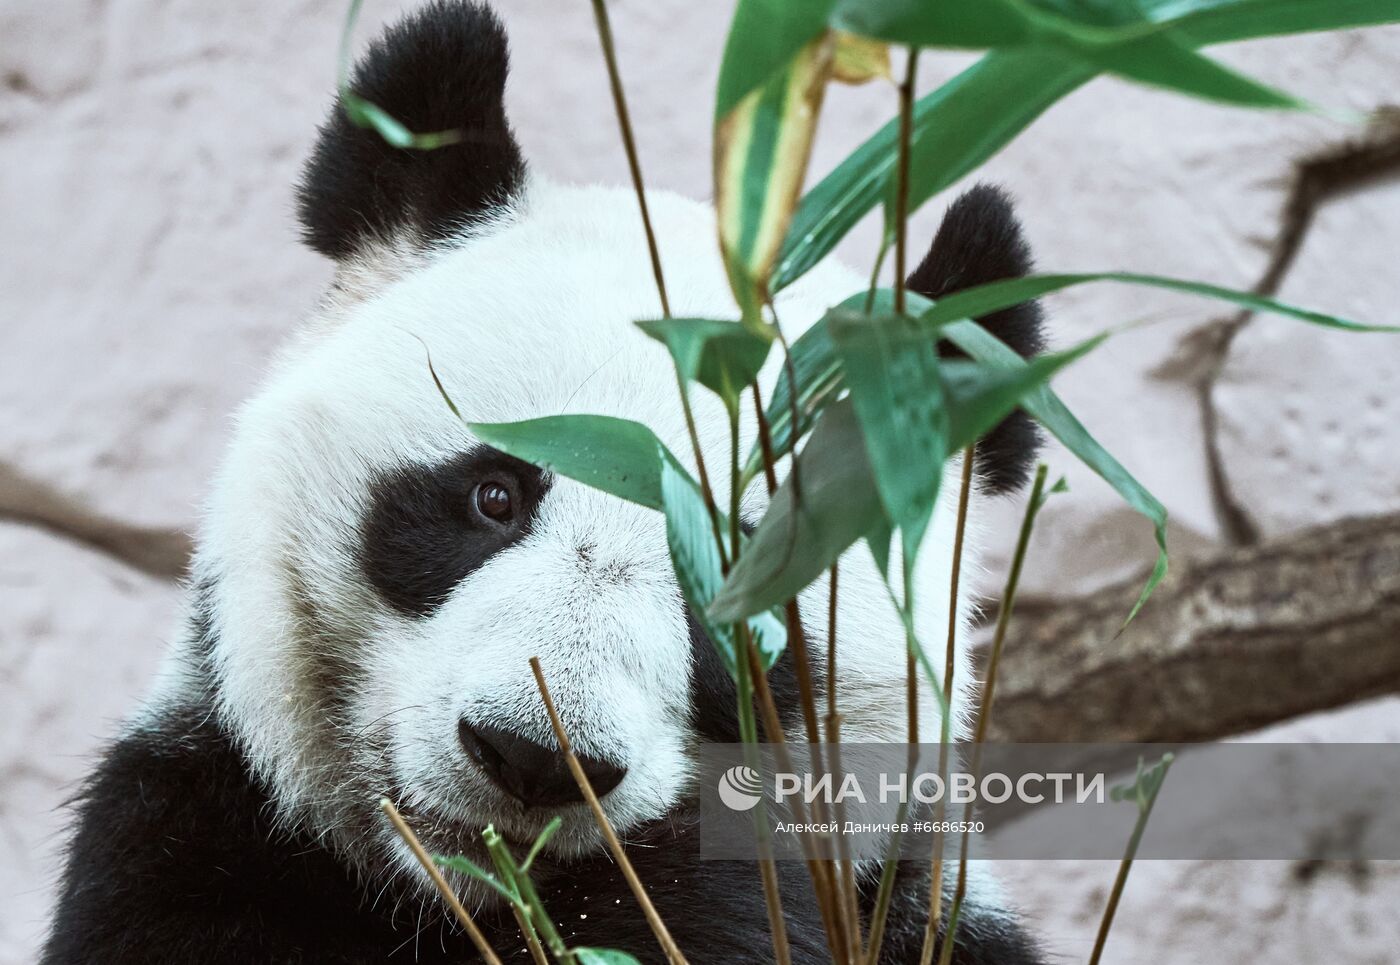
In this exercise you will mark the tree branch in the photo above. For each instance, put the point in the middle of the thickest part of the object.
(1227, 645)
(159, 552)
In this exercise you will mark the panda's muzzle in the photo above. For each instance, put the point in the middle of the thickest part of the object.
(533, 774)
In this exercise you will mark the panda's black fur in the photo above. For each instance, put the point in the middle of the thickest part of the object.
(178, 855)
(442, 69)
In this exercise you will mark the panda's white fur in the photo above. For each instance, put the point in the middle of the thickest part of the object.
(302, 692)
(530, 316)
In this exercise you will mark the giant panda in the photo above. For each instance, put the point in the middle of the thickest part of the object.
(370, 581)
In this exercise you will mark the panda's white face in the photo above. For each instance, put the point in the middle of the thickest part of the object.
(379, 579)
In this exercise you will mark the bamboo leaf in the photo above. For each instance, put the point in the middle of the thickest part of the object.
(1050, 412)
(1168, 62)
(618, 456)
(981, 24)
(699, 572)
(979, 395)
(722, 356)
(761, 152)
(473, 870)
(540, 841)
(1220, 21)
(999, 96)
(603, 956)
(363, 113)
(988, 104)
(983, 299)
(793, 545)
(891, 365)
(764, 37)
(818, 371)
(860, 59)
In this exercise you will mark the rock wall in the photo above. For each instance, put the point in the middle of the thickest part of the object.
(151, 264)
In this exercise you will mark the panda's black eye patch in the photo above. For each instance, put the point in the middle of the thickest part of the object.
(429, 527)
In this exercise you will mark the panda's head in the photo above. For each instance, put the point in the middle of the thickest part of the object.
(372, 579)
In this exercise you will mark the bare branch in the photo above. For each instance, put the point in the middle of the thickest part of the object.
(159, 552)
(1227, 645)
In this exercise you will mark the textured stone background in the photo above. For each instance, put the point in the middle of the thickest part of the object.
(150, 265)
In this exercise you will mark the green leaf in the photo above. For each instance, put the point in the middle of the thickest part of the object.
(603, 956)
(1000, 95)
(363, 113)
(1050, 412)
(980, 24)
(764, 37)
(980, 300)
(792, 546)
(700, 574)
(891, 365)
(722, 356)
(473, 870)
(1166, 62)
(761, 152)
(1146, 784)
(988, 104)
(1112, 37)
(975, 398)
(1220, 21)
(878, 539)
(818, 371)
(980, 395)
(618, 456)
(540, 841)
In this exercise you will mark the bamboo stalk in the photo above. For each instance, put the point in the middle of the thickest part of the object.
(1130, 853)
(488, 955)
(767, 870)
(658, 927)
(634, 167)
(529, 907)
(765, 442)
(901, 239)
(901, 200)
(935, 897)
(629, 144)
(845, 915)
(984, 710)
(822, 884)
(845, 869)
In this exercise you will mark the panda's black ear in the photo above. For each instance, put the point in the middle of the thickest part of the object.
(980, 241)
(441, 68)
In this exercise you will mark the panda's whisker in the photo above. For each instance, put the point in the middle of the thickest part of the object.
(385, 718)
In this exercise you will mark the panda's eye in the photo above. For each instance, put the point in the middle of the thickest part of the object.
(493, 501)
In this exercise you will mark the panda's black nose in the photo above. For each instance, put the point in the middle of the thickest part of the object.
(533, 774)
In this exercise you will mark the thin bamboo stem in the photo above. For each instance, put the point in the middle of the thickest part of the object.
(629, 144)
(658, 927)
(984, 710)
(1130, 853)
(822, 884)
(634, 166)
(487, 954)
(906, 126)
(529, 911)
(935, 897)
